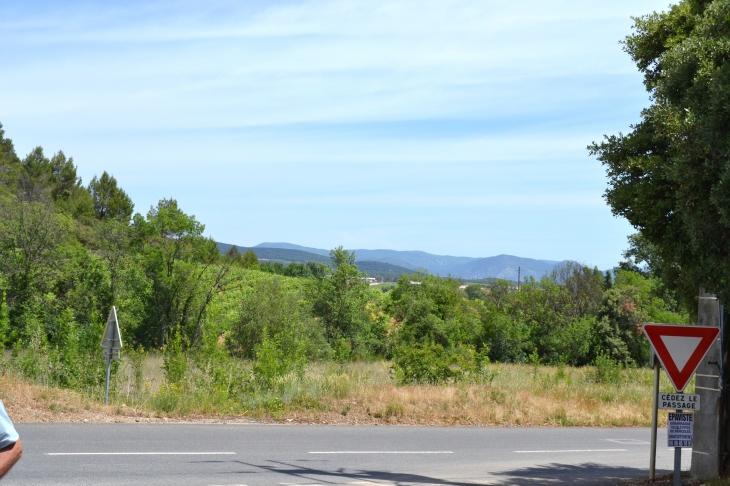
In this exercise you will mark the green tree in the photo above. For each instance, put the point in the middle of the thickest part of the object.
(340, 299)
(436, 329)
(114, 238)
(670, 176)
(499, 292)
(274, 309)
(184, 269)
(55, 178)
(9, 163)
(109, 200)
(475, 292)
(584, 286)
(250, 260)
(31, 234)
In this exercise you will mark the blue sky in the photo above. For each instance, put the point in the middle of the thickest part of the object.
(453, 127)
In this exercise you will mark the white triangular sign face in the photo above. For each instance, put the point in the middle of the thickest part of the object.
(112, 338)
(681, 348)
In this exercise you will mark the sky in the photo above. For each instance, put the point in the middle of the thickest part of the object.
(455, 127)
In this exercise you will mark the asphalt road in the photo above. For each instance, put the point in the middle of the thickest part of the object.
(229, 455)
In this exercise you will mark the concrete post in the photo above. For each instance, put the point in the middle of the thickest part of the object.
(708, 451)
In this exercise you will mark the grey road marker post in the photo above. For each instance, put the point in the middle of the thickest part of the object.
(111, 345)
(708, 452)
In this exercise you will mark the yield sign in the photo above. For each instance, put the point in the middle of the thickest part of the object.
(680, 348)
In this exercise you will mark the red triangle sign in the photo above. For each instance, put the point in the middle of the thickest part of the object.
(680, 348)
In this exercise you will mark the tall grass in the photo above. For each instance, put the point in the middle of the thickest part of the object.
(366, 392)
(507, 394)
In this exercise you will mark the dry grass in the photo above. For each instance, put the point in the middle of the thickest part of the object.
(519, 395)
(364, 393)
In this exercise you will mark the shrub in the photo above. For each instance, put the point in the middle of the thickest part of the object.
(175, 362)
(431, 364)
(607, 370)
(278, 356)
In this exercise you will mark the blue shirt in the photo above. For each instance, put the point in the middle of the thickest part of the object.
(8, 434)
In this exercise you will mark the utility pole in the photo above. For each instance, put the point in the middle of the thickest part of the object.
(518, 278)
(708, 453)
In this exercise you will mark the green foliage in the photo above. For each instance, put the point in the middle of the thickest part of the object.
(183, 268)
(669, 176)
(316, 270)
(109, 200)
(249, 260)
(437, 334)
(339, 299)
(427, 363)
(278, 356)
(475, 292)
(508, 340)
(274, 308)
(607, 369)
(4, 321)
(66, 343)
(235, 334)
(175, 362)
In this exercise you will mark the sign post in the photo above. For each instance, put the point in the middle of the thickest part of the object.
(654, 415)
(111, 346)
(679, 349)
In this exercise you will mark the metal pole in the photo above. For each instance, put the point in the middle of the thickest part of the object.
(677, 466)
(678, 459)
(654, 413)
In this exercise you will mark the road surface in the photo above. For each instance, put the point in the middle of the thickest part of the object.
(254, 454)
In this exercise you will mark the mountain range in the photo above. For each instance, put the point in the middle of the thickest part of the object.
(469, 268)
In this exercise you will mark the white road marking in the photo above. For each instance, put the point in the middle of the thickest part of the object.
(573, 450)
(137, 453)
(381, 452)
(628, 441)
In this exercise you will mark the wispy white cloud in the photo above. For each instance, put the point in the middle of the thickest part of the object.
(171, 95)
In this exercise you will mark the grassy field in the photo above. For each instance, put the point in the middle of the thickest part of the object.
(361, 393)
(509, 394)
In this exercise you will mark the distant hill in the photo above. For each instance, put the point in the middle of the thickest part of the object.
(384, 272)
(468, 268)
(436, 264)
(412, 260)
(292, 246)
(504, 266)
(281, 254)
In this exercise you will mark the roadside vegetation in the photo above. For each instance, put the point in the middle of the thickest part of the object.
(207, 333)
(356, 393)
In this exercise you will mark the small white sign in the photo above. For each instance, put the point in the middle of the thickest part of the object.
(679, 401)
(680, 429)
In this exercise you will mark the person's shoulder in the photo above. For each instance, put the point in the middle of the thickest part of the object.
(8, 434)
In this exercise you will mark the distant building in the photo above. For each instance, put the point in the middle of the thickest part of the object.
(462, 287)
(370, 281)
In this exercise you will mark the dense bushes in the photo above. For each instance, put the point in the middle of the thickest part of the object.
(69, 252)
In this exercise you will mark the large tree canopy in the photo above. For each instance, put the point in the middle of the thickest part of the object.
(670, 177)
